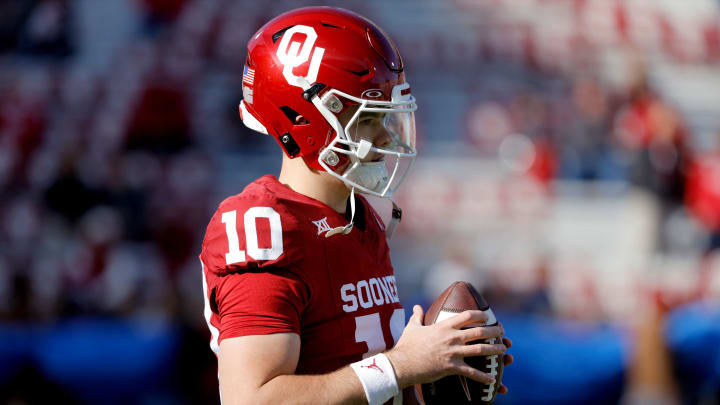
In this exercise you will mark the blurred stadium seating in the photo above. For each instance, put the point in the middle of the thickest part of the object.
(569, 167)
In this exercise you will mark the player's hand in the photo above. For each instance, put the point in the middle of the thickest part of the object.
(428, 353)
(507, 360)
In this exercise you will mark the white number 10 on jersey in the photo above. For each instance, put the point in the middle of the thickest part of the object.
(234, 254)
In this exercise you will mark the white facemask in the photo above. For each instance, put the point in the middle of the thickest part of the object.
(398, 119)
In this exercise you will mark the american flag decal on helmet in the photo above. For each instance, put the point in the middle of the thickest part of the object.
(248, 76)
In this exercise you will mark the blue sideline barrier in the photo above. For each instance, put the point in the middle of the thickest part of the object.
(562, 363)
(557, 362)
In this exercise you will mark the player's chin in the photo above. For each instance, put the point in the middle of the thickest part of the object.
(334, 179)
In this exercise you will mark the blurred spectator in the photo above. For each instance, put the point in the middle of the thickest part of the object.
(47, 30)
(162, 11)
(703, 194)
(68, 195)
(13, 15)
(160, 121)
(652, 133)
(586, 145)
(39, 28)
(655, 143)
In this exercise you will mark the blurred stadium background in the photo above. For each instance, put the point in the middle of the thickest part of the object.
(569, 167)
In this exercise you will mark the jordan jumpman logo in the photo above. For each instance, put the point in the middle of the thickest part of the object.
(375, 366)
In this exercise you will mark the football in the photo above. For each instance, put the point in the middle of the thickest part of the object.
(461, 296)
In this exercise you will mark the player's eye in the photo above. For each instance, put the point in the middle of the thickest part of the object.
(371, 119)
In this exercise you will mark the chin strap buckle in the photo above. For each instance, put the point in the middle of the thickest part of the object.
(347, 228)
(340, 229)
(396, 218)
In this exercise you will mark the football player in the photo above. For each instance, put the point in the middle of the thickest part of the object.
(300, 296)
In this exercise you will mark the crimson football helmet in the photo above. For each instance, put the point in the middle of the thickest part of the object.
(314, 77)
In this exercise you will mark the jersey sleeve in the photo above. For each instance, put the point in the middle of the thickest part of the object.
(250, 231)
(251, 254)
(260, 303)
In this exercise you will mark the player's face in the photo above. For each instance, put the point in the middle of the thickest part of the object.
(371, 127)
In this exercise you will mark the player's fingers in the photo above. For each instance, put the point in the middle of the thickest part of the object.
(465, 318)
(475, 374)
(481, 332)
(417, 316)
(508, 359)
(481, 349)
(503, 389)
(507, 342)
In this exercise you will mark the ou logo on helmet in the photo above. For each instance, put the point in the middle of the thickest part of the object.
(292, 55)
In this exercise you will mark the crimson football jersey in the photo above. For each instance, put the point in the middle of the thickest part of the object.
(268, 268)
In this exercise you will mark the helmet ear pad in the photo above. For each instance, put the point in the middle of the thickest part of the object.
(299, 122)
(311, 158)
(314, 144)
(299, 138)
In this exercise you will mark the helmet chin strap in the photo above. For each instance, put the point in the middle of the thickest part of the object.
(347, 228)
(396, 218)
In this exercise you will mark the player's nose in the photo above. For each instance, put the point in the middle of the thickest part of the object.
(382, 138)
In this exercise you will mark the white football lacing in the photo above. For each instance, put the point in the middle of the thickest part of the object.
(492, 370)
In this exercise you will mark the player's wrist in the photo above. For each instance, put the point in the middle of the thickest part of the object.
(378, 379)
(398, 359)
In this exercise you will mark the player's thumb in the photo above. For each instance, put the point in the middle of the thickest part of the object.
(417, 316)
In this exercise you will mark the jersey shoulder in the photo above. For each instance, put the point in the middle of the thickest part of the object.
(260, 227)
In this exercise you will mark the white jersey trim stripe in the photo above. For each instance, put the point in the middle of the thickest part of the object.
(214, 332)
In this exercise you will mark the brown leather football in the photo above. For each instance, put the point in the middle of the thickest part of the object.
(461, 296)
